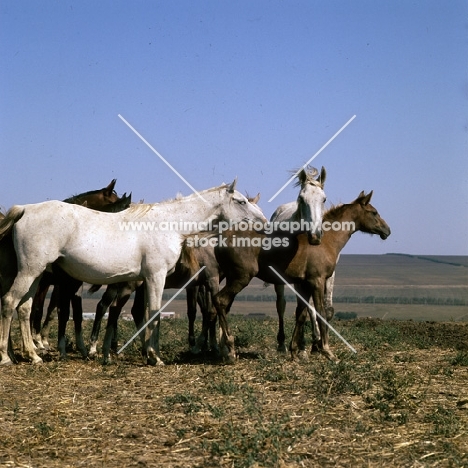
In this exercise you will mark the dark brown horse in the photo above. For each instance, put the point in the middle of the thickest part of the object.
(297, 262)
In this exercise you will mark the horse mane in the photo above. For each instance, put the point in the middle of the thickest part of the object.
(311, 173)
(75, 199)
(333, 211)
(142, 208)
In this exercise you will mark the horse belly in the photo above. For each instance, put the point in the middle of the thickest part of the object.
(100, 265)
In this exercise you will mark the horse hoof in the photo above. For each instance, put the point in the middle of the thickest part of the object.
(230, 359)
(303, 356)
(195, 350)
(37, 361)
(282, 349)
(314, 349)
(6, 362)
(329, 355)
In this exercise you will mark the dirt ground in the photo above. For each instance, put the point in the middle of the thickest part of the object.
(402, 400)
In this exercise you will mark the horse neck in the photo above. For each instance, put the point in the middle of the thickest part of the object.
(336, 240)
(93, 200)
(193, 208)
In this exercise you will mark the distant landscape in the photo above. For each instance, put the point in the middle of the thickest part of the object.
(391, 286)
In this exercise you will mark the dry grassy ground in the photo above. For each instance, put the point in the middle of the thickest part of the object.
(402, 400)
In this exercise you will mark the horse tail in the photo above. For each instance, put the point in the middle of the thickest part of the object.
(188, 257)
(14, 215)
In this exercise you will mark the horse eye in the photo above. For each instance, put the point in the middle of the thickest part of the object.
(241, 202)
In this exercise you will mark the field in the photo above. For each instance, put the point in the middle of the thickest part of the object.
(400, 401)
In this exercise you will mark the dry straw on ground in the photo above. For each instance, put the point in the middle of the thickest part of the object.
(401, 401)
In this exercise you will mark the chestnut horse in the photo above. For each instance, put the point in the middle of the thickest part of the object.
(298, 262)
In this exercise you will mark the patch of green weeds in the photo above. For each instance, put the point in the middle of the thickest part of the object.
(224, 387)
(460, 359)
(44, 429)
(389, 399)
(444, 422)
(188, 402)
(261, 443)
(216, 411)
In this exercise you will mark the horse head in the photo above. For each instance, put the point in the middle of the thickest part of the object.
(368, 220)
(311, 201)
(237, 207)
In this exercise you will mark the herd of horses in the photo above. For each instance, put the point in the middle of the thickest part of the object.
(81, 240)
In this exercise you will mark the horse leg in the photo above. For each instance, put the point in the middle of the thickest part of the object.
(37, 310)
(280, 309)
(329, 285)
(207, 338)
(154, 289)
(52, 311)
(116, 310)
(138, 312)
(209, 312)
(19, 296)
(297, 345)
(315, 328)
(63, 317)
(77, 305)
(101, 308)
(192, 293)
(222, 302)
(324, 347)
(111, 331)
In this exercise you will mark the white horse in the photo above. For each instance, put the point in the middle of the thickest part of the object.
(310, 197)
(309, 206)
(103, 248)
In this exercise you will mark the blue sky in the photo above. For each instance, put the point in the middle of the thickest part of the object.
(250, 89)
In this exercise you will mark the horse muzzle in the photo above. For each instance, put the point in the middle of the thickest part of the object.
(314, 238)
(384, 235)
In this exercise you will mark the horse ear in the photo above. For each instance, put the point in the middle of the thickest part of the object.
(322, 177)
(255, 200)
(302, 176)
(364, 199)
(368, 197)
(232, 187)
(110, 187)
